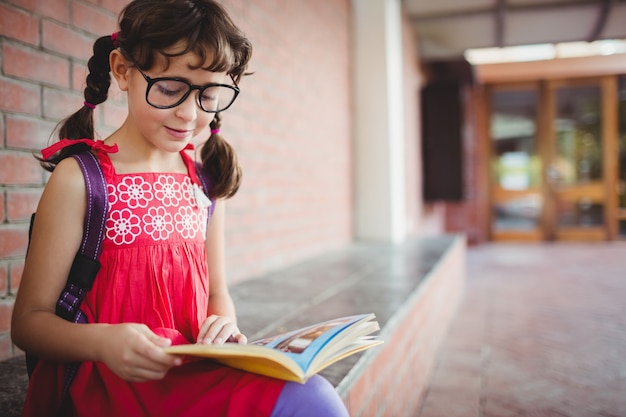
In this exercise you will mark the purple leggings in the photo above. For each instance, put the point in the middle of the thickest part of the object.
(314, 399)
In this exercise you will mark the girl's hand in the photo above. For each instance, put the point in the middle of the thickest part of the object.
(134, 353)
(220, 329)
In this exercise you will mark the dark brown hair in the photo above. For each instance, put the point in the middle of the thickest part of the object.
(148, 28)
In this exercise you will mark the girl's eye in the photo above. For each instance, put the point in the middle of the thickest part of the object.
(173, 88)
(209, 95)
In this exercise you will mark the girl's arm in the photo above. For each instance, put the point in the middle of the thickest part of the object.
(132, 351)
(221, 322)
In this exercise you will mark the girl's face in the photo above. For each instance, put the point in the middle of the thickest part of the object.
(170, 129)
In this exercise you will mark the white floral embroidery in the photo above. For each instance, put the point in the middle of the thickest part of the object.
(123, 226)
(111, 194)
(168, 191)
(158, 223)
(186, 222)
(203, 219)
(188, 194)
(135, 191)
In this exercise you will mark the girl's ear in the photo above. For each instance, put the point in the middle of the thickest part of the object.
(120, 69)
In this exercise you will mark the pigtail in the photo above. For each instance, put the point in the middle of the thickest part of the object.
(220, 162)
(80, 125)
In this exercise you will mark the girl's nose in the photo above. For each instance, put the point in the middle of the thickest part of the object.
(188, 109)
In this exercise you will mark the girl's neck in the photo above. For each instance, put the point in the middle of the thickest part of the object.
(136, 154)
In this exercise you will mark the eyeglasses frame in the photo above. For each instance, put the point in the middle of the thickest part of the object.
(151, 81)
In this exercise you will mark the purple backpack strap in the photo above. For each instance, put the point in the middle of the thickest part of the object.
(207, 183)
(86, 265)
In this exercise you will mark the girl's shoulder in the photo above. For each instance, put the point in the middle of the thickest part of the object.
(66, 185)
(68, 175)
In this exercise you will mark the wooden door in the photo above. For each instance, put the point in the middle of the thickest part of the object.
(554, 156)
(580, 160)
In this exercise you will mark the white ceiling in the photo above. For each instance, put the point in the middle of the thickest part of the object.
(446, 28)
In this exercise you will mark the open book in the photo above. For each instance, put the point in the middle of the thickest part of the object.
(296, 355)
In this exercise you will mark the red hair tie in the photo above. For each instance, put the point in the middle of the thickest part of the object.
(114, 36)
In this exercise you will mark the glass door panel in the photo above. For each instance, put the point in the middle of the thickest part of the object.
(515, 165)
(576, 171)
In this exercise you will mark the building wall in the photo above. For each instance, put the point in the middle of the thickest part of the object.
(290, 126)
(292, 131)
(413, 80)
(471, 216)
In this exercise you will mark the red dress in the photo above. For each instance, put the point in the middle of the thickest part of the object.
(154, 271)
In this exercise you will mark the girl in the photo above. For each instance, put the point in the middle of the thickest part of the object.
(162, 276)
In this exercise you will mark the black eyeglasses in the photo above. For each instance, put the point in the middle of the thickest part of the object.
(168, 92)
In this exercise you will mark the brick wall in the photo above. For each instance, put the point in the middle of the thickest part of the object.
(44, 47)
(292, 131)
(290, 126)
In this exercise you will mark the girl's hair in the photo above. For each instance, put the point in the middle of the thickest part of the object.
(149, 28)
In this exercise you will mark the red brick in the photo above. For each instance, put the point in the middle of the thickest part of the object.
(13, 240)
(15, 276)
(21, 203)
(6, 309)
(18, 25)
(93, 19)
(55, 9)
(2, 210)
(58, 105)
(2, 133)
(27, 132)
(114, 6)
(60, 39)
(4, 279)
(19, 96)
(19, 168)
(79, 75)
(34, 65)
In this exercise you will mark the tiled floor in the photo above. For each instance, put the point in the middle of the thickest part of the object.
(541, 332)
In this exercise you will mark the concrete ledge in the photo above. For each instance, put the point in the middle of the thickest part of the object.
(413, 288)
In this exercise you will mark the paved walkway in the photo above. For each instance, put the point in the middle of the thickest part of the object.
(541, 332)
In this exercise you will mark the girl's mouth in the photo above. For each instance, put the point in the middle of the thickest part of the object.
(179, 134)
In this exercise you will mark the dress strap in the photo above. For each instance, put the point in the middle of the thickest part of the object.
(200, 179)
(190, 164)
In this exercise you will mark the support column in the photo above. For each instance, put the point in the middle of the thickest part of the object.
(380, 191)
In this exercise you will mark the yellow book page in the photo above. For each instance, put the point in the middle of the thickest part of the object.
(252, 358)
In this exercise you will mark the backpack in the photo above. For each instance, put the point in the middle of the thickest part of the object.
(86, 265)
